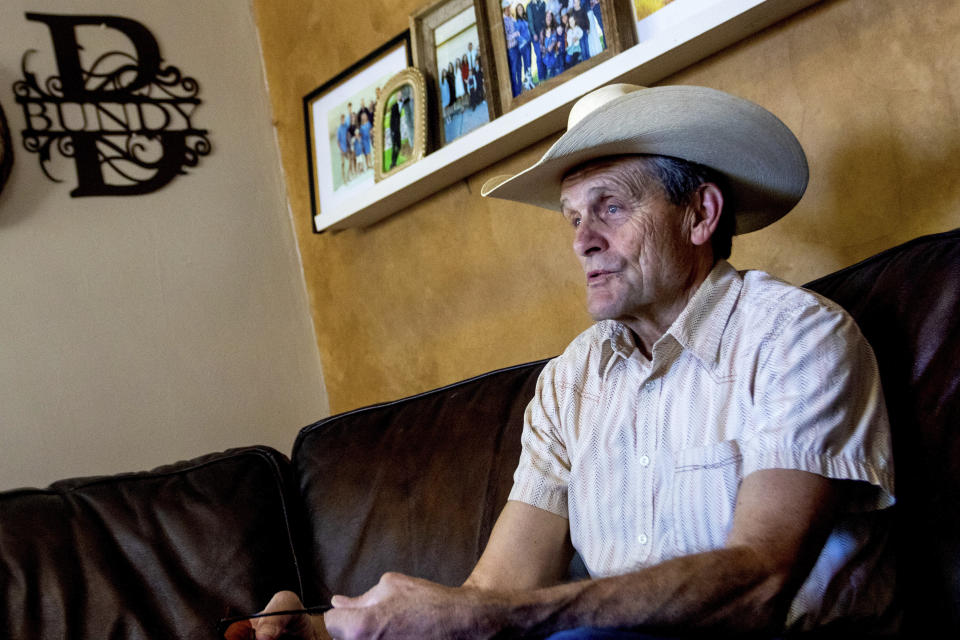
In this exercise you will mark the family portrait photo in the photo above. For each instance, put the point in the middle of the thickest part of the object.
(544, 38)
(339, 119)
(351, 138)
(459, 74)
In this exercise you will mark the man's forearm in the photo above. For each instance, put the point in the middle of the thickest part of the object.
(729, 589)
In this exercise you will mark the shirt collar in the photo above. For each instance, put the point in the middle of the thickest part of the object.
(698, 328)
(700, 325)
(617, 342)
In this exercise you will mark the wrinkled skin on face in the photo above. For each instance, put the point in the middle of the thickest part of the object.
(643, 256)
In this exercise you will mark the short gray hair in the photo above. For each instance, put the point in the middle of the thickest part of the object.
(680, 179)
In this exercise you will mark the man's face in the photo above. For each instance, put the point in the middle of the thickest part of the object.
(633, 243)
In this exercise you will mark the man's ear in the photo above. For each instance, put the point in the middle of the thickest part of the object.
(706, 204)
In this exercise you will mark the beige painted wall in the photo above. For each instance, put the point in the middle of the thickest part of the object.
(141, 330)
(457, 285)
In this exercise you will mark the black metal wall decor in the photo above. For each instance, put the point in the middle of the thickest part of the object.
(6, 150)
(125, 120)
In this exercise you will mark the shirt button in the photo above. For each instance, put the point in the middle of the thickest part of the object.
(650, 386)
(642, 539)
(644, 461)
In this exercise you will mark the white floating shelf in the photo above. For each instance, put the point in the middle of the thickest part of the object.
(719, 24)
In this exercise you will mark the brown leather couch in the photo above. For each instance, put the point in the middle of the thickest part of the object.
(415, 486)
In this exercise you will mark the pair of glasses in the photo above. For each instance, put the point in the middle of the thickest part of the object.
(241, 627)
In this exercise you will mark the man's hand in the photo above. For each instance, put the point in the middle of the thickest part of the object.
(300, 625)
(403, 607)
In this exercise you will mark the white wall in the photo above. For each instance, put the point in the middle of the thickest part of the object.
(138, 330)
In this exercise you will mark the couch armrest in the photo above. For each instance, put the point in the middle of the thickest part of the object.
(159, 554)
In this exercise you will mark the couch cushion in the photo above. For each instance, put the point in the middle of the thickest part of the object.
(159, 554)
(907, 303)
(413, 485)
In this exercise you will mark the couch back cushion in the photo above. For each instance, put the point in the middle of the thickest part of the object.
(907, 303)
(413, 485)
(160, 554)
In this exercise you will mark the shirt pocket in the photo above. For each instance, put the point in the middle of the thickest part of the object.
(705, 484)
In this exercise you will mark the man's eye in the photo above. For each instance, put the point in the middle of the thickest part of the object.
(575, 221)
(613, 208)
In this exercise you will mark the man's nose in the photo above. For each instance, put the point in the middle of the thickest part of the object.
(588, 239)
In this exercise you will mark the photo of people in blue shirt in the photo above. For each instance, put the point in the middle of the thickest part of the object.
(544, 38)
(351, 138)
(459, 74)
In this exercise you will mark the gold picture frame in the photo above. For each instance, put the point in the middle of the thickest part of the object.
(395, 114)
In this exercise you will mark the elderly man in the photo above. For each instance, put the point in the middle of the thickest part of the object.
(715, 446)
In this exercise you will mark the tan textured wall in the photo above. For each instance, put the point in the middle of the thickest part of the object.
(457, 285)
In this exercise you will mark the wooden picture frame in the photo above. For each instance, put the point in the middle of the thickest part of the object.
(336, 174)
(460, 97)
(395, 145)
(519, 73)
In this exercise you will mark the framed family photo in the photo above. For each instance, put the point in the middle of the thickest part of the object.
(451, 46)
(339, 120)
(400, 123)
(539, 44)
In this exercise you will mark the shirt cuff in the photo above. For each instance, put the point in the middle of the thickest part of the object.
(833, 467)
(540, 495)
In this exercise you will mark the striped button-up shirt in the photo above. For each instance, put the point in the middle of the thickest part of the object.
(645, 456)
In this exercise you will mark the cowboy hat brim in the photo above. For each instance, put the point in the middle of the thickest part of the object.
(762, 161)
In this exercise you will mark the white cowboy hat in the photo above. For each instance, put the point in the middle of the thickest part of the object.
(761, 159)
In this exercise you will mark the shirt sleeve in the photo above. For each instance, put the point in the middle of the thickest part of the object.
(543, 472)
(819, 406)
